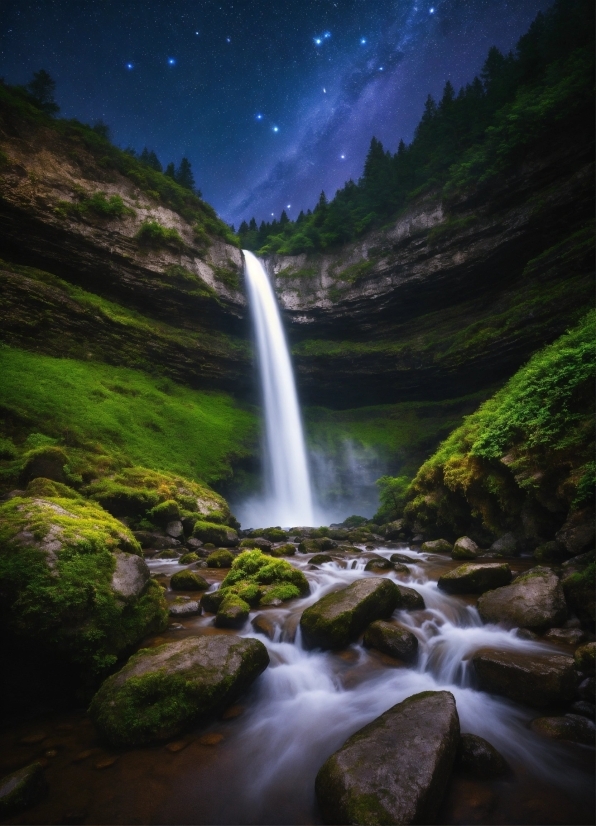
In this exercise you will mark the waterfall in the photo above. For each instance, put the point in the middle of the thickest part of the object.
(288, 498)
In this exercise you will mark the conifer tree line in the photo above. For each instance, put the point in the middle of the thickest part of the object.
(541, 90)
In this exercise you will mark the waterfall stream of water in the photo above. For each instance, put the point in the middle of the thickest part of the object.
(288, 497)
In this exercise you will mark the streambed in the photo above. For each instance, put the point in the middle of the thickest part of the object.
(257, 766)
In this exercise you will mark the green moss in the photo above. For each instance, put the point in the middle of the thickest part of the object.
(220, 559)
(214, 533)
(188, 581)
(256, 567)
(282, 550)
(153, 234)
(187, 559)
(84, 404)
(97, 204)
(47, 488)
(230, 276)
(276, 593)
(165, 512)
(274, 534)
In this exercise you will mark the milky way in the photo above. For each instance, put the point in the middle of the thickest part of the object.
(272, 102)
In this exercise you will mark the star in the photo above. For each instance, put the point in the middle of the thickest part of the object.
(228, 39)
(288, 206)
(318, 41)
(276, 128)
(363, 41)
(259, 117)
(171, 61)
(431, 11)
(129, 66)
(343, 157)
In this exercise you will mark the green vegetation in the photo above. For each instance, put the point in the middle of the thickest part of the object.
(113, 416)
(538, 95)
(230, 275)
(188, 581)
(153, 234)
(257, 567)
(97, 204)
(532, 442)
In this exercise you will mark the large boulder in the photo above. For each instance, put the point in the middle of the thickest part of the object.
(76, 593)
(475, 578)
(395, 769)
(478, 757)
(465, 548)
(437, 546)
(539, 680)
(393, 639)
(535, 600)
(578, 533)
(505, 545)
(410, 599)
(217, 534)
(317, 545)
(394, 529)
(162, 691)
(573, 727)
(338, 618)
(578, 587)
(188, 581)
(22, 789)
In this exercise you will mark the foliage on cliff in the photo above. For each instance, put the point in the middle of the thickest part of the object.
(525, 458)
(542, 92)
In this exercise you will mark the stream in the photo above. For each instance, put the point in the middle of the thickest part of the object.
(258, 763)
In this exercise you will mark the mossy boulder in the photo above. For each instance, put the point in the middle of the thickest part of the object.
(538, 680)
(188, 581)
(465, 548)
(275, 534)
(76, 593)
(216, 534)
(534, 600)
(506, 546)
(276, 594)
(475, 578)
(233, 611)
(395, 769)
(256, 567)
(578, 532)
(584, 658)
(394, 529)
(379, 563)
(573, 727)
(189, 558)
(552, 551)
(578, 588)
(162, 691)
(257, 542)
(220, 559)
(22, 789)
(320, 559)
(41, 488)
(437, 546)
(314, 546)
(165, 512)
(410, 599)
(282, 550)
(393, 639)
(48, 461)
(338, 618)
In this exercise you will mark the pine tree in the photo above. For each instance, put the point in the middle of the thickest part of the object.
(42, 88)
(170, 171)
(184, 175)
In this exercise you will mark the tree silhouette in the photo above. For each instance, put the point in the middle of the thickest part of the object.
(42, 88)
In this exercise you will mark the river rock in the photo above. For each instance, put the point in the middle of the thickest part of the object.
(393, 529)
(584, 658)
(410, 599)
(319, 559)
(538, 680)
(475, 578)
(574, 727)
(232, 613)
(221, 558)
(259, 542)
(314, 546)
(149, 539)
(395, 640)
(130, 576)
(175, 529)
(552, 551)
(338, 618)
(586, 690)
(578, 586)
(535, 600)
(505, 545)
(188, 581)
(437, 546)
(401, 559)
(584, 708)
(191, 608)
(476, 756)
(22, 789)
(566, 636)
(395, 769)
(264, 625)
(379, 563)
(578, 533)
(465, 548)
(187, 681)
(188, 558)
(209, 532)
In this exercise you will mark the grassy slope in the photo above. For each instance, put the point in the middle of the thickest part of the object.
(126, 413)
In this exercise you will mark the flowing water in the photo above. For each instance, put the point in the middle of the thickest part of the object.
(259, 767)
(288, 498)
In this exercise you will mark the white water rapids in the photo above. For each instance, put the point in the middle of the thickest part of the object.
(288, 497)
(307, 703)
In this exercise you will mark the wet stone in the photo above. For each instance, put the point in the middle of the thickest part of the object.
(478, 757)
(177, 745)
(573, 727)
(587, 689)
(534, 600)
(565, 636)
(437, 546)
(22, 789)
(319, 559)
(475, 578)
(465, 548)
(212, 739)
(378, 564)
(401, 558)
(410, 599)
(106, 762)
(584, 708)
(264, 625)
(392, 639)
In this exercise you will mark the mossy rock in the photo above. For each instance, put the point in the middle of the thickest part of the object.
(211, 601)
(465, 548)
(71, 592)
(394, 640)
(282, 550)
(552, 551)
(163, 691)
(437, 546)
(256, 567)
(257, 542)
(22, 789)
(48, 461)
(220, 559)
(165, 512)
(382, 564)
(217, 534)
(320, 559)
(167, 553)
(313, 546)
(534, 600)
(188, 581)
(475, 578)
(275, 534)
(584, 658)
(41, 488)
(579, 593)
(276, 594)
(187, 559)
(338, 618)
(233, 611)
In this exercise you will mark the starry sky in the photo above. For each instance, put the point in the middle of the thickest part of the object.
(271, 101)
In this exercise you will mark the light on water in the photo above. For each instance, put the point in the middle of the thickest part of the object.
(288, 498)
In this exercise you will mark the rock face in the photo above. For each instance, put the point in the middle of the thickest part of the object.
(437, 546)
(476, 756)
(21, 789)
(475, 578)
(535, 600)
(395, 769)
(338, 618)
(395, 640)
(187, 681)
(537, 680)
(465, 548)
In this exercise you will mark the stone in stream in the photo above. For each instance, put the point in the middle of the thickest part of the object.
(22, 789)
(338, 618)
(401, 558)
(534, 600)
(410, 599)
(264, 625)
(574, 727)
(437, 546)
(465, 548)
(185, 609)
(378, 563)
(476, 756)
(186, 682)
(538, 680)
(395, 769)
(395, 640)
(188, 581)
(233, 612)
(584, 658)
(475, 578)
(319, 559)
(505, 545)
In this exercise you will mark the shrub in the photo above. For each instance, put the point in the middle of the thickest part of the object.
(153, 234)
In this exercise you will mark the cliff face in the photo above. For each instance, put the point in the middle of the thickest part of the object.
(450, 297)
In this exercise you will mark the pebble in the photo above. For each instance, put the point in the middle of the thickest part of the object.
(32, 739)
(211, 739)
(177, 745)
(83, 755)
(105, 762)
(232, 712)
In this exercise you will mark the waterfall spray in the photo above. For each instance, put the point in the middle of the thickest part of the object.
(288, 497)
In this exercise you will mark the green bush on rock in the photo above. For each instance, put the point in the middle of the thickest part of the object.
(220, 559)
(217, 534)
(255, 566)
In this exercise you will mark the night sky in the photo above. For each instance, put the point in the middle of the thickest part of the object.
(271, 101)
